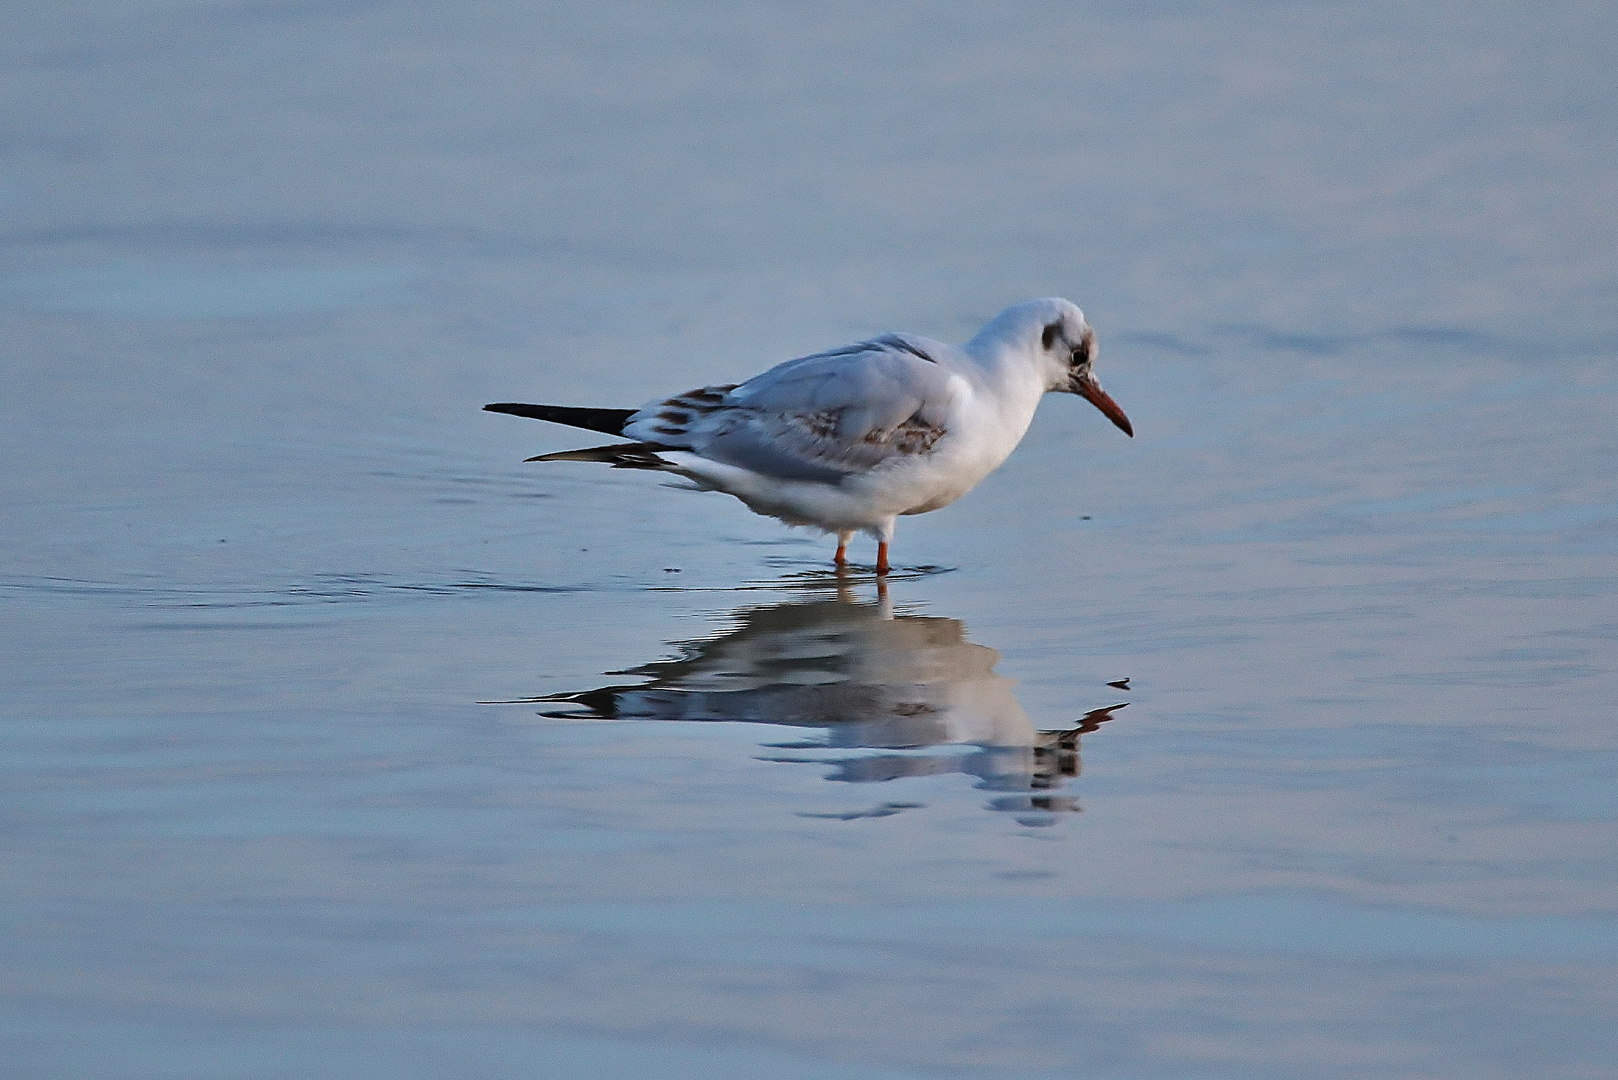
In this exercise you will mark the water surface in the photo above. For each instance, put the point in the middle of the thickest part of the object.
(336, 740)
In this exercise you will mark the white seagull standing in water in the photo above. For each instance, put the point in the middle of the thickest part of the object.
(849, 440)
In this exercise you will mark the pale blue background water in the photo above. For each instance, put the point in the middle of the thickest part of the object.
(262, 558)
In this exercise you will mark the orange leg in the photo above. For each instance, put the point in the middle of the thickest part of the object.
(882, 557)
(841, 558)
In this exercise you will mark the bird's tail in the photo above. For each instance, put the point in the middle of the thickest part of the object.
(607, 421)
(634, 455)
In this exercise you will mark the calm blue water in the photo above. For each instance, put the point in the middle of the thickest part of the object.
(336, 741)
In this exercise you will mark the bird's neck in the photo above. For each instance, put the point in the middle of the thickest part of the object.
(1012, 385)
(1009, 373)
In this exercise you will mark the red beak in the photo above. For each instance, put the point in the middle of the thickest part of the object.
(1090, 390)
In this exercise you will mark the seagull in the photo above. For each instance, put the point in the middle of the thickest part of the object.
(851, 439)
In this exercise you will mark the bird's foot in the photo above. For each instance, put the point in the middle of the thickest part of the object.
(841, 558)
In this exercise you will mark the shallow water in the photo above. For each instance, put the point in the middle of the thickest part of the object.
(338, 741)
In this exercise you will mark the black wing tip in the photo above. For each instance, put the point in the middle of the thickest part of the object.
(632, 455)
(607, 421)
(517, 408)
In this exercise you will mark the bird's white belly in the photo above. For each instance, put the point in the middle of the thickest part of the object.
(871, 500)
(834, 507)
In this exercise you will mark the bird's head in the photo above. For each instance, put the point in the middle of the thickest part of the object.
(1055, 332)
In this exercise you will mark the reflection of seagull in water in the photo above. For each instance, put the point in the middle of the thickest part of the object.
(849, 440)
(870, 680)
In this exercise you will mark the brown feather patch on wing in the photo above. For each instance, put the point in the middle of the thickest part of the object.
(914, 436)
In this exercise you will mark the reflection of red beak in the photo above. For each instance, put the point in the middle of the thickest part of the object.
(1090, 390)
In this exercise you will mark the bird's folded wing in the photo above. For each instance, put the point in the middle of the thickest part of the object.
(820, 417)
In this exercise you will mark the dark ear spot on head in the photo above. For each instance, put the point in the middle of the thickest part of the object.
(1050, 333)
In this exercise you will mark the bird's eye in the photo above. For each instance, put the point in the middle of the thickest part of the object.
(1050, 333)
